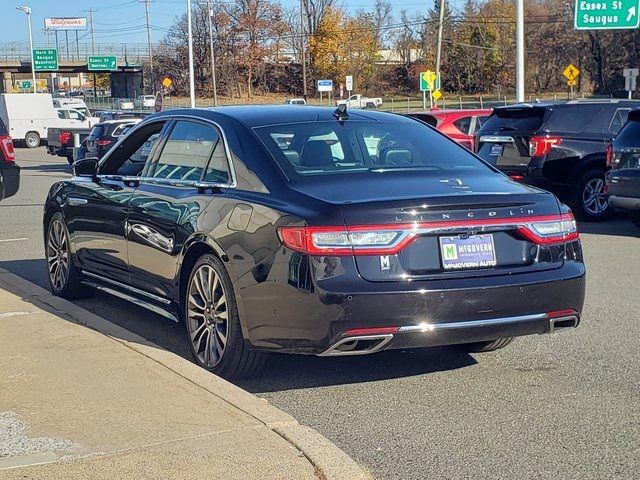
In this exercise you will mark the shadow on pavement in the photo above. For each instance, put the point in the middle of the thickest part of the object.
(619, 226)
(48, 167)
(291, 372)
(282, 372)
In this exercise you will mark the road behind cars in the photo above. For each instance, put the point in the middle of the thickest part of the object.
(561, 406)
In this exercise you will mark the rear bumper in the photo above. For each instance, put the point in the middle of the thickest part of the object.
(624, 203)
(10, 180)
(451, 333)
(313, 318)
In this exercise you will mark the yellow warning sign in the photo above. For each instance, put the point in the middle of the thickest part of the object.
(571, 72)
(436, 95)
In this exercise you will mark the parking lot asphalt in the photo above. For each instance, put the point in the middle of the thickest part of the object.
(559, 406)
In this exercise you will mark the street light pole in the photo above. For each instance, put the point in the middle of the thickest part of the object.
(146, 11)
(439, 47)
(192, 85)
(519, 50)
(27, 10)
(213, 58)
(303, 55)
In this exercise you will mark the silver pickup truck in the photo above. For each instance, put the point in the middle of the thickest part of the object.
(60, 140)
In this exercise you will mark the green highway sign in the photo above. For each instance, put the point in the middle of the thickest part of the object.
(102, 63)
(25, 84)
(45, 60)
(607, 14)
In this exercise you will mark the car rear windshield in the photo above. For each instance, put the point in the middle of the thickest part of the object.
(98, 131)
(325, 148)
(515, 119)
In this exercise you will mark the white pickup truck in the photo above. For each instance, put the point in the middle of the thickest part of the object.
(360, 101)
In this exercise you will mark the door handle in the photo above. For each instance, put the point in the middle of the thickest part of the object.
(75, 201)
(131, 181)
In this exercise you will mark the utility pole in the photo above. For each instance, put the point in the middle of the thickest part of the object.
(213, 57)
(93, 49)
(146, 11)
(439, 47)
(303, 55)
(519, 50)
(192, 82)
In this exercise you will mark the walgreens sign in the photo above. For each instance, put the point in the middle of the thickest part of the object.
(65, 23)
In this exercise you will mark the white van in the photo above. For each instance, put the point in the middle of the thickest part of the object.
(28, 115)
(75, 103)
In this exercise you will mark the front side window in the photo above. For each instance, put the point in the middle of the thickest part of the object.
(355, 146)
(187, 151)
(132, 156)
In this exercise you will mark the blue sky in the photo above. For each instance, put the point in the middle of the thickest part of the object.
(119, 21)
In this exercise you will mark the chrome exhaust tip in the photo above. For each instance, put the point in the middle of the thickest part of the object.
(563, 323)
(359, 345)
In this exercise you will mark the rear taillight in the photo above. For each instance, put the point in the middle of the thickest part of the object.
(391, 239)
(64, 137)
(382, 240)
(550, 230)
(609, 154)
(540, 146)
(6, 144)
(103, 143)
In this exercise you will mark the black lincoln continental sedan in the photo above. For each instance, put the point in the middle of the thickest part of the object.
(313, 231)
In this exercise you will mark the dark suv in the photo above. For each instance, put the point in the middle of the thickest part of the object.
(104, 135)
(9, 171)
(623, 159)
(560, 147)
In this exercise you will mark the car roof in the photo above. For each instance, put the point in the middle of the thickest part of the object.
(573, 103)
(120, 120)
(261, 115)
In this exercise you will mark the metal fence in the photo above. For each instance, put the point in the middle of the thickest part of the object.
(389, 104)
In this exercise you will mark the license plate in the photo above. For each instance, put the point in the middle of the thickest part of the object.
(474, 251)
(496, 150)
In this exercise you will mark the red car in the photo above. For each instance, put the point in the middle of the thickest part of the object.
(9, 171)
(460, 125)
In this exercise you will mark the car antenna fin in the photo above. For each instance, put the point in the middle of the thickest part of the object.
(341, 113)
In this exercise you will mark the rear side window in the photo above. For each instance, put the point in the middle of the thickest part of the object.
(618, 120)
(579, 119)
(187, 151)
(363, 147)
(629, 136)
(481, 121)
(463, 124)
(515, 120)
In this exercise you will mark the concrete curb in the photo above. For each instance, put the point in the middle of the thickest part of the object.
(329, 461)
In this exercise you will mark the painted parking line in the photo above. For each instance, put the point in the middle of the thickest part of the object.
(7, 240)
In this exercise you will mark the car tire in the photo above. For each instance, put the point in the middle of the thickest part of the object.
(488, 346)
(370, 105)
(635, 218)
(64, 278)
(588, 200)
(213, 326)
(32, 139)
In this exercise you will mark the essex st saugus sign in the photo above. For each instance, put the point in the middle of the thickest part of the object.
(607, 14)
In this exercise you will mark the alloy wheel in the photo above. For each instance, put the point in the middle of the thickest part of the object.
(207, 316)
(57, 255)
(594, 198)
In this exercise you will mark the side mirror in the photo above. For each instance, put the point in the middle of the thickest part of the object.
(85, 167)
